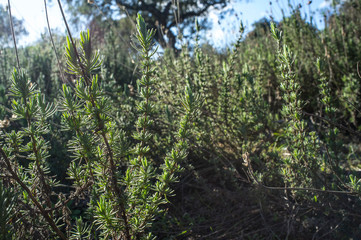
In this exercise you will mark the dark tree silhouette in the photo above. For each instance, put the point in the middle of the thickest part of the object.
(163, 15)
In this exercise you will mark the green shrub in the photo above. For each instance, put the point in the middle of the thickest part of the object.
(123, 186)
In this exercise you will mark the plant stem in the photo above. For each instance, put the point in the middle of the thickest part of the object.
(87, 79)
(52, 42)
(13, 33)
(115, 187)
(23, 185)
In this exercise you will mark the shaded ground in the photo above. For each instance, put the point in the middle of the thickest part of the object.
(209, 206)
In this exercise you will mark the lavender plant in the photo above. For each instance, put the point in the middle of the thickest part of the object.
(24, 155)
(302, 145)
(124, 188)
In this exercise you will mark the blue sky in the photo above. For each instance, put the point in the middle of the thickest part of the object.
(251, 11)
(223, 33)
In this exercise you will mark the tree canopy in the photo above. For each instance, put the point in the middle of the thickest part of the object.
(5, 28)
(163, 15)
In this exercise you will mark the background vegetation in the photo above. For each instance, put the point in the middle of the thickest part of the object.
(115, 141)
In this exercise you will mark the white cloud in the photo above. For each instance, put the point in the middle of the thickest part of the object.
(325, 3)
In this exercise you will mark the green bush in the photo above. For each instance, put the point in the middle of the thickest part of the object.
(124, 188)
(260, 141)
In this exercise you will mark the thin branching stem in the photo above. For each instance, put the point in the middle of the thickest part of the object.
(53, 44)
(32, 197)
(251, 174)
(117, 191)
(13, 33)
(87, 80)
